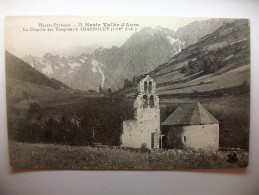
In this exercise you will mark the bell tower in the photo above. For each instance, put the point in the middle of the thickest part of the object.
(147, 101)
(144, 129)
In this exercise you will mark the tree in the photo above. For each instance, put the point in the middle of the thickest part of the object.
(244, 88)
(92, 91)
(100, 89)
(109, 91)
(134, 79)
(127, 83)
(35, 111)
(212, 62)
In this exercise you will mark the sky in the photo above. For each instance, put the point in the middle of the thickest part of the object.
(25, 35)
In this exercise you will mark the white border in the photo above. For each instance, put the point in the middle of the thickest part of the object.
(234, 181)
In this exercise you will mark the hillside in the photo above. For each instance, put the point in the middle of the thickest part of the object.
(19, 70)
(217, 64)
(192, 32)
(24, 84)
(28, 90)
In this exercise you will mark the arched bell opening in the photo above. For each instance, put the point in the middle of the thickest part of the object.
(145, 101)
(150, 87)
(145, 86)
(151, 101)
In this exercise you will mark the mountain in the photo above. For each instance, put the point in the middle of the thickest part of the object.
(19, 70)
(218, 64)
(23, 82)
(56, 66)
(192, 32)
(110, 67)
(139, 54)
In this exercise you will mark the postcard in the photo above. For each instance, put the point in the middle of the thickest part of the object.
(127, 93)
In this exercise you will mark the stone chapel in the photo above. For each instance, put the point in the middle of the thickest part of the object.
(144, 129)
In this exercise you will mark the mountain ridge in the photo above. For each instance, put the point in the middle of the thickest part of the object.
(109, 67)
(19, 70)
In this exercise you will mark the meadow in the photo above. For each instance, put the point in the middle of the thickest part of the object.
(74, 123)
(28, 155)
(61, 134)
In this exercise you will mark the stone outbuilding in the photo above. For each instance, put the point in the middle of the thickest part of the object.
(191, 126)
(144, 129)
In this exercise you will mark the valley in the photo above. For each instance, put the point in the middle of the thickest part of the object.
(212, 68)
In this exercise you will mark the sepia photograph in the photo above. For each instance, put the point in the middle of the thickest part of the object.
(127, 93)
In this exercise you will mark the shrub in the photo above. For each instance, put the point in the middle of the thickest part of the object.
(244, 88)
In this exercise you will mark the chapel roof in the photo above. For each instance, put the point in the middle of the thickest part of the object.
(190, 114)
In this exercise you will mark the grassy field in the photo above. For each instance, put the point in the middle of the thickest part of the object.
(27, 155)
(56, 123)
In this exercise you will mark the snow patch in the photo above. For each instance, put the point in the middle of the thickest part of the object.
(102, 65)
(70, 72)
(74, 65)
(47, 69)
(32, 64)
(56, 65)
(96, 67)
(83, 59)
(172, 40)
(60, 64)
(179, 48)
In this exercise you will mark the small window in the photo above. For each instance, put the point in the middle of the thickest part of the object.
(184, 138)
(145, 86)
(150, 87)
